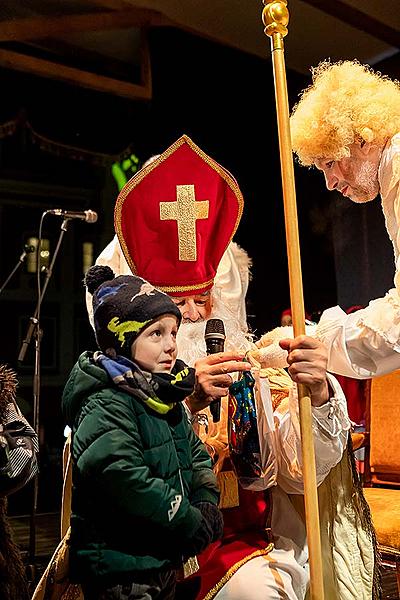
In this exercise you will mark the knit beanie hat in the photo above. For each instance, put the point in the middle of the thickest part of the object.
(122, 307)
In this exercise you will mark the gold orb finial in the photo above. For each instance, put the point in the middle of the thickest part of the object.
(275, 17)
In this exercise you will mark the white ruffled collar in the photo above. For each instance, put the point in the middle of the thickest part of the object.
(389, 177)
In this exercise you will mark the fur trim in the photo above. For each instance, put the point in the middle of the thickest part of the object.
(13, 585)
(8, 387)
(243, 261)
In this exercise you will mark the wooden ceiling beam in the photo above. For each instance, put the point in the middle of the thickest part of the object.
(43, 27)
(111, 4)
(358, 19)
(52, 70)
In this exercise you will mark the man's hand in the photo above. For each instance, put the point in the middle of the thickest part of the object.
(213, 379)
(307, 360)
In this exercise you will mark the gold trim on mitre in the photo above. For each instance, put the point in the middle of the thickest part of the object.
(185, 288)
(136, 179)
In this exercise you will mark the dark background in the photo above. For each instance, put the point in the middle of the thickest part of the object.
(224, 100)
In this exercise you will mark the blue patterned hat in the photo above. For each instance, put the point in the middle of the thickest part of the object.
(122, 307)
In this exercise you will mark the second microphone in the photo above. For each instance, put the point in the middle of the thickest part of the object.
(85, 215)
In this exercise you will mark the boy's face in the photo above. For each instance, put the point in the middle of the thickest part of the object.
(154, 350)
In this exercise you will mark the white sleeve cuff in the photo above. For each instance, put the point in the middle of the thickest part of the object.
(332, 418)
(190, 417)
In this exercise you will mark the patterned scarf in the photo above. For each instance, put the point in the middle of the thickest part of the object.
(159, 391)
(244, 444)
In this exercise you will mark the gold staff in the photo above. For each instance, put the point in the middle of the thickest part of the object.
(275, 17)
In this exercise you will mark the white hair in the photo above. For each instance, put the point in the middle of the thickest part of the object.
(190, 338)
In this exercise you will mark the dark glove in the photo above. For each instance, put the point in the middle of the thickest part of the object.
(199, 541)
(209, 530)
(213, 516)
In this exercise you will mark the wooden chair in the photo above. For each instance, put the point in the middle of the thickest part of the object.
(382, 464)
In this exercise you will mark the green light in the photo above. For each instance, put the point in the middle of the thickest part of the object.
(124, 170)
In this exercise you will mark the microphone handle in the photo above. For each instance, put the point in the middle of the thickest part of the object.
(215, 410)
(215, 345)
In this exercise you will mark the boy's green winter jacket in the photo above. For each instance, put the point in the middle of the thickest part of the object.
(136, 474)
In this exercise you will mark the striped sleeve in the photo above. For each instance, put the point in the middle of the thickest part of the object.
(18, 451)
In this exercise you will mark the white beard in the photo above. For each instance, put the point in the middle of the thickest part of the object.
(190, 337)
(366, 186)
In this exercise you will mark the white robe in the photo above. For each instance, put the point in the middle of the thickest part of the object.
(284, 572)
(367, 343)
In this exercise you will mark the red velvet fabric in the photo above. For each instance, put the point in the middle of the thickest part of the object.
(150, 243)
(354, 390)
(244, 533)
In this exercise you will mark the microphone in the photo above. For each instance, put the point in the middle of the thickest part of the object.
(215, 342)
(86, 215)
(28, 248)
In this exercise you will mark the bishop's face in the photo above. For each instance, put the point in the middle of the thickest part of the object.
(355, 176)
(194, 308)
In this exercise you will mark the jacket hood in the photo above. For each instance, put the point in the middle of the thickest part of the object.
(85, 379)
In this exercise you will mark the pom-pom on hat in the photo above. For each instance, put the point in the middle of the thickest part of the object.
(123, 307)
(175, 218)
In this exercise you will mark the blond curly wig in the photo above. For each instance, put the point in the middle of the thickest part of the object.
(346, 102)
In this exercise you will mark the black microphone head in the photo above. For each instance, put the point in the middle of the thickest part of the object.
(28, 248)
(214, 337)
(215, 329)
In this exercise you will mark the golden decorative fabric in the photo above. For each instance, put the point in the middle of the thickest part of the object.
(54, 583)
(229, 489)
(185, 211)
(385, 510)
(190, 567)
(384, 440)
(347, 547)
(358, 439)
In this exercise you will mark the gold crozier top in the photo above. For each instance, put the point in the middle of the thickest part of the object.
(185, 211)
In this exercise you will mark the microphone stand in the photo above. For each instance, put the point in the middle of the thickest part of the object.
(34, 329)
(21, 259)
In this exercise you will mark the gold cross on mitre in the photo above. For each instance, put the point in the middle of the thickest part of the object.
(185, 211)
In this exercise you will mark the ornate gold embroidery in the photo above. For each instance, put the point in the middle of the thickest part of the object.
(73, 592)
(185, 288)
(185, 211)
(190, 567)
(214, 591)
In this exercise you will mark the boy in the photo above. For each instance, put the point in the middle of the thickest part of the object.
(144, 494)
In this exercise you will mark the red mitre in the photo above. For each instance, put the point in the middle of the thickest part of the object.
(175, 218)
